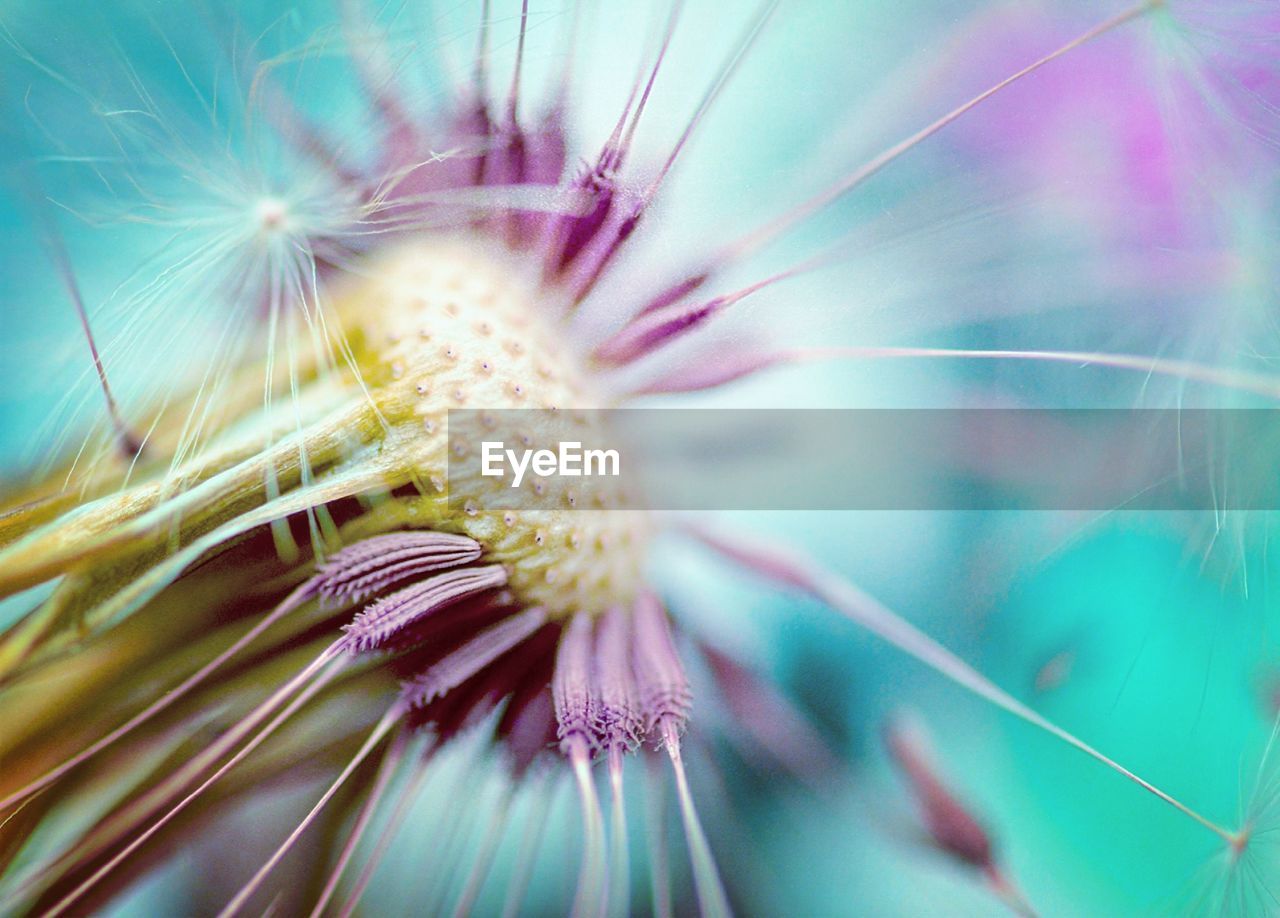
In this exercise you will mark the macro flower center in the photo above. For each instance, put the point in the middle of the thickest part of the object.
(440, 324)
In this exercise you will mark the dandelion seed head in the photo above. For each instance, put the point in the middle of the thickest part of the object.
(1241, 876)
(273, 215)
(477, 299)
(365, 280)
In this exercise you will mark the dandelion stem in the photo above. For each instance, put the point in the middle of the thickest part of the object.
(452, 832)
(730, 370)
(757, 238)
(480, 75)
(656, 830)
(129, 444)
(619, 865)
(1189, 370)
(620, 150)
(513, 97)
(319, 677)
(622, 232)
(727, 69)
(541, 796)
(484, 856)
(376, 736)
(368, 54)
(386, 770)
(398, 814)
(591, 878)
(712, 901)
(292, 602)
(780, 565)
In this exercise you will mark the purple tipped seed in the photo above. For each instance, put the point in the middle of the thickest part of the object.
(377, 564)
(382, 620)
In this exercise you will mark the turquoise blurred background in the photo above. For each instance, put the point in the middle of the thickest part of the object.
(1150, 636)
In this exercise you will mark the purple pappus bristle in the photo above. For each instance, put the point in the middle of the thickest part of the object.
(661, 683)
(528, 724)
(129, 443)
(571, 686)
(617, 150)
(513, 143)
(477, 121)
(513, 157)
(382, 620)
(475, 698)
(377, 564)
(768, 720)
(610, 247)
(428, 639)
(644, 335)
(776, 562)
(547, 150)
(627, 223)
(571, 235)
(531, 730)
(949, 823)
(650, 330)
(473, 656)
(513, 97)
(542, 159)
(575, 232)
(618, 717)
(599, 182)
(676, 292)
(506, 158)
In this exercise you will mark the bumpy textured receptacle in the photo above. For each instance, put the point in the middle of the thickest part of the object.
(452, 325)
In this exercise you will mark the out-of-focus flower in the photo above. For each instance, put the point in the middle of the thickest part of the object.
(223, 586)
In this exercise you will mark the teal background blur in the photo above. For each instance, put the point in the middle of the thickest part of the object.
(1163, 623)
